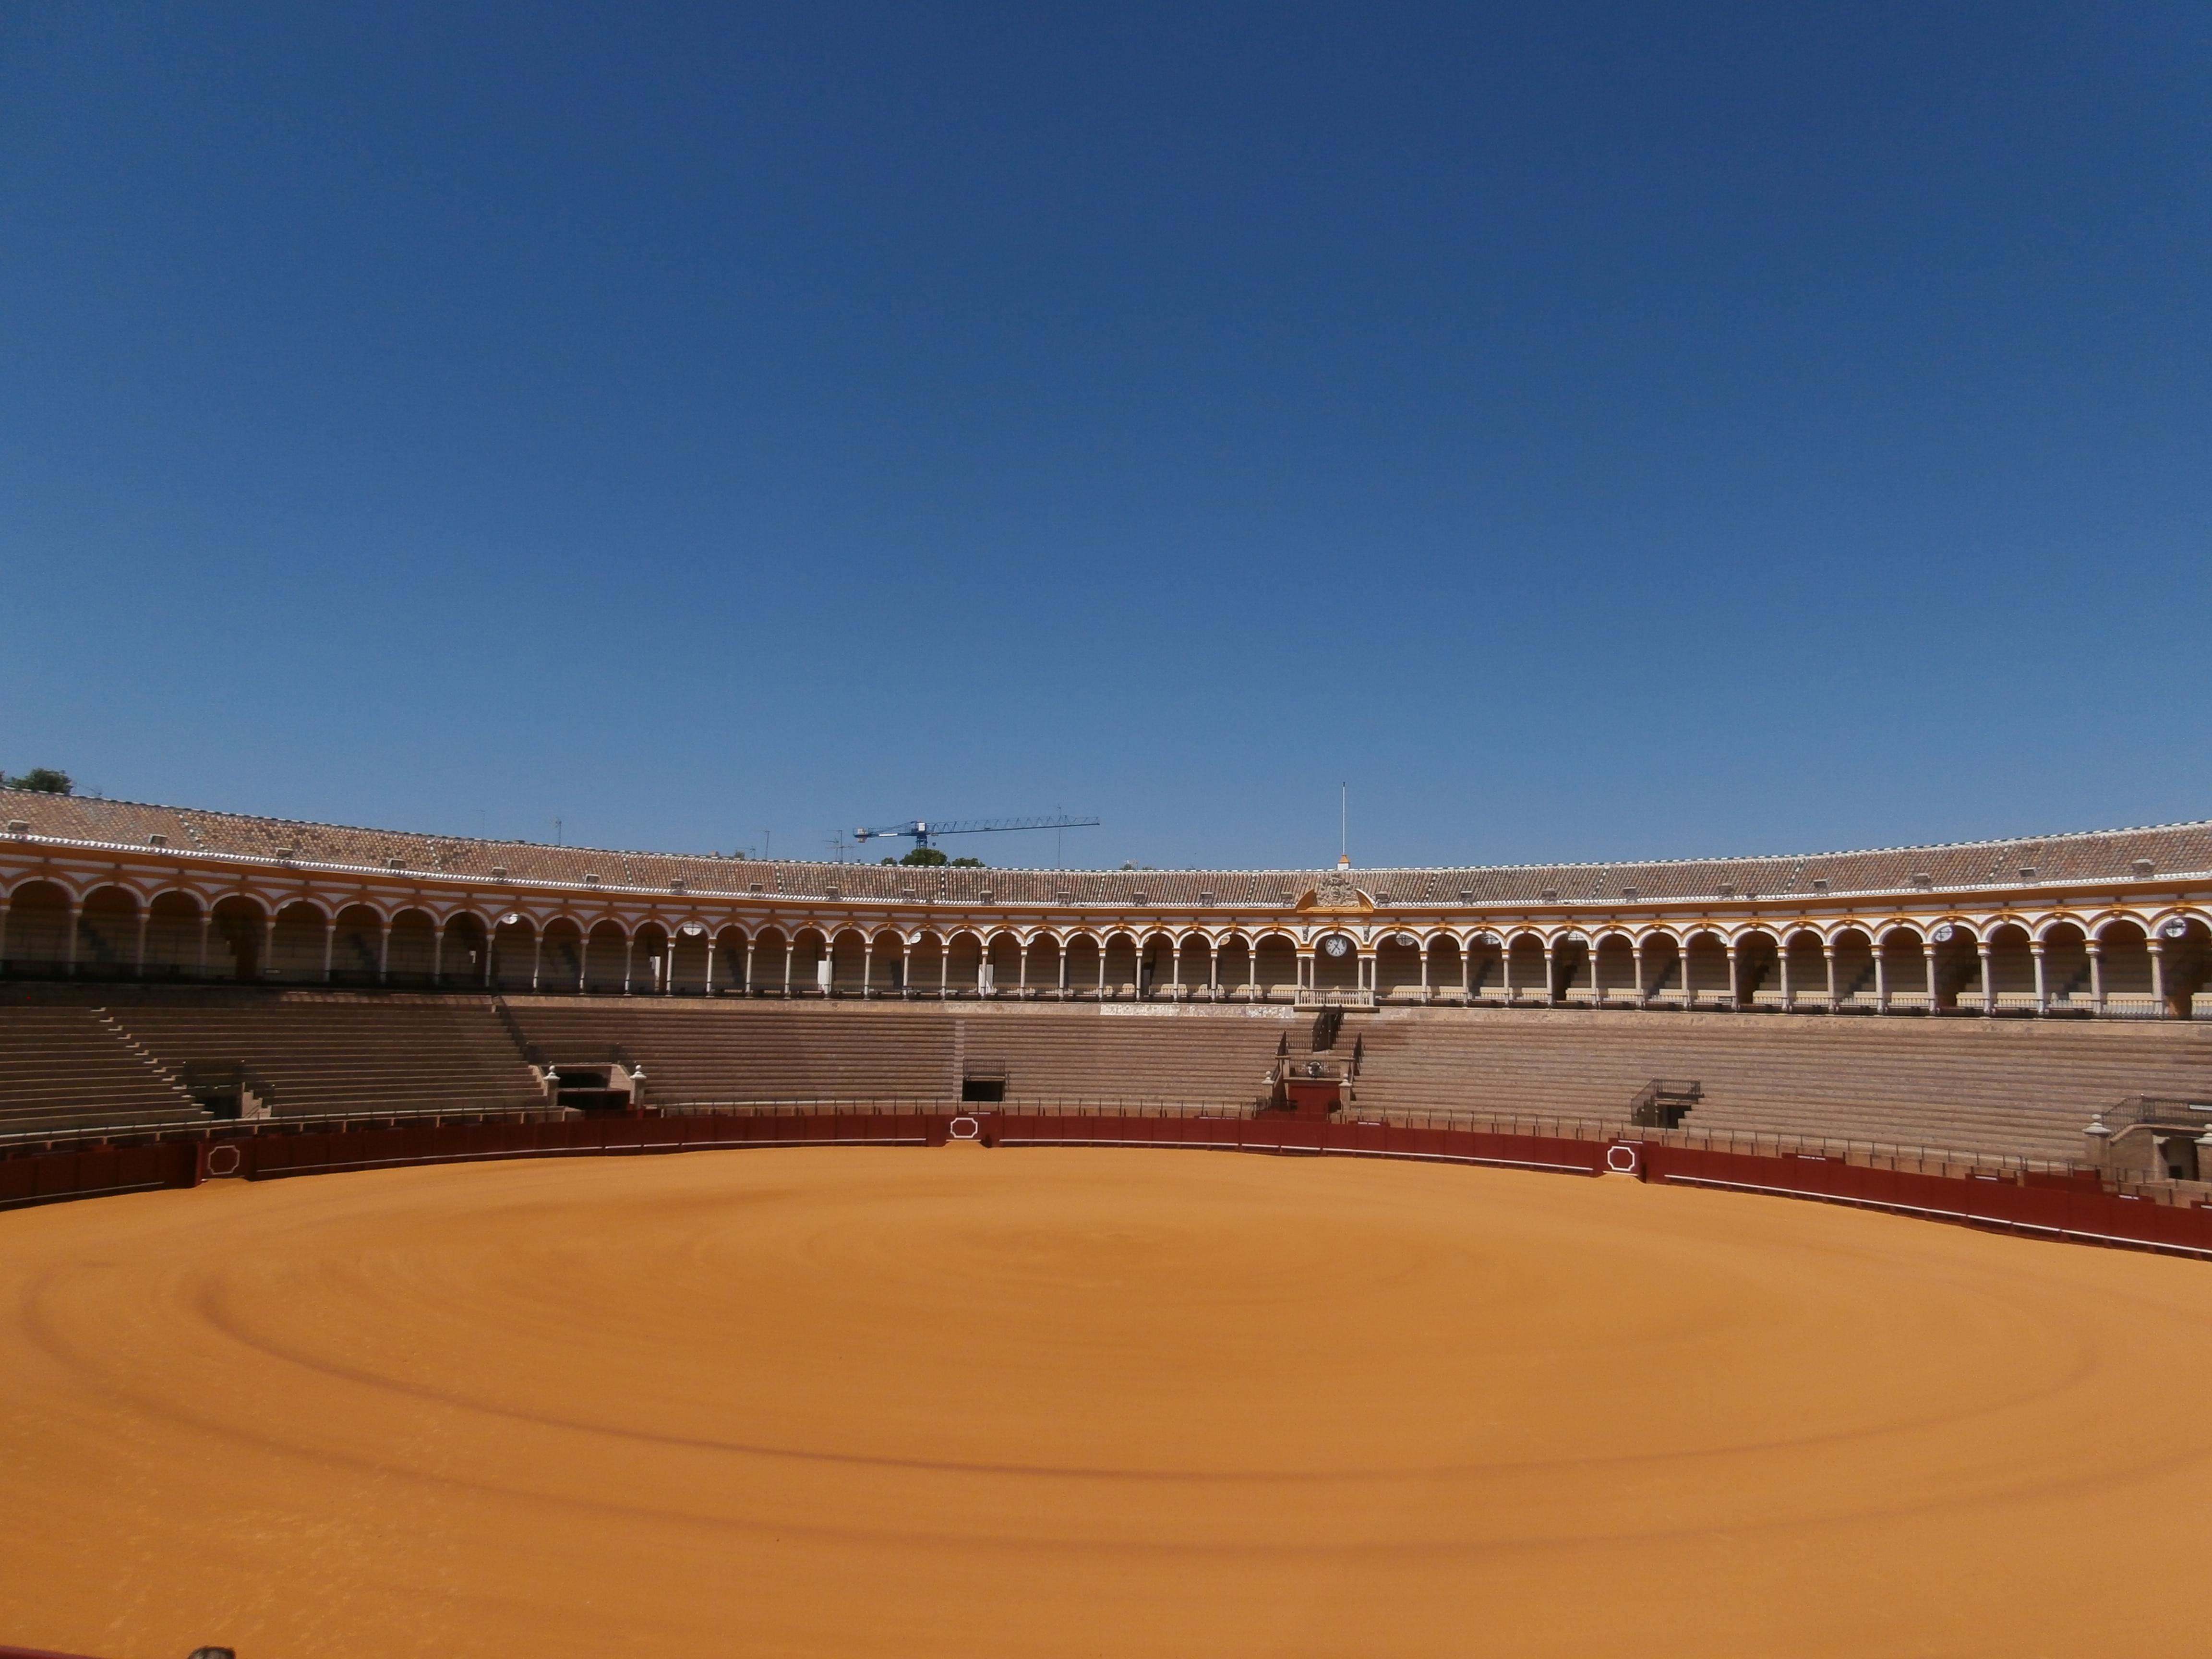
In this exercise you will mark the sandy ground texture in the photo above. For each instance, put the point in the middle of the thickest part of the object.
(912, 1403)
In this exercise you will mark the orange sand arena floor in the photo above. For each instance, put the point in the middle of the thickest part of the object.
(907, 1403)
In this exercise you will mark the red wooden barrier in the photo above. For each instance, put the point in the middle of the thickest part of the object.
(2051, 1205)
(2067, 1209)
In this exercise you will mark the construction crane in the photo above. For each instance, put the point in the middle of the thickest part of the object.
(922, 833)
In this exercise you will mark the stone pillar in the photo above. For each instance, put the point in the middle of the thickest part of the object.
(329, 946)
(1505, 971)
(629, 962)
(1643, 985)
(868, 968)
(1735, 977)
(1024, 987)
(1174, 970)
(383, 950)
(1426, 995)
(1828, 958)
(710, 961)
(2042, 989)
(1551, 975)
(69, 947)
(2157, 976)
(1989, 979)
(584, 964)
(207, 927)
(1465, 972)
(1881, 977)
(3, 927)
(746, 988)
(2096, 951)
(139, 964)
(438, 955)
(1928, 950)
(536, 953)
(1781, 962)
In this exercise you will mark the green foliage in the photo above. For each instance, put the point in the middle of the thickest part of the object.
(923, 855)
(42, 780)
(967, 864)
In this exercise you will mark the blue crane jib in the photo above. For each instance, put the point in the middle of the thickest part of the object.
(922, 832)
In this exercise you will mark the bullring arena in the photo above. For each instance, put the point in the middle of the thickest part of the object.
(1791, 1256)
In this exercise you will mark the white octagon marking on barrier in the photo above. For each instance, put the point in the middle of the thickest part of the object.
(222, 1160)
(1620, 1159)
(963, 1128)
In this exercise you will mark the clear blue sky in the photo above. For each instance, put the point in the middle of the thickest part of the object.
(1590, 431)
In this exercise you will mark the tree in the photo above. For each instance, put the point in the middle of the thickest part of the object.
(42, 780)
(921, 855)
(967, 864)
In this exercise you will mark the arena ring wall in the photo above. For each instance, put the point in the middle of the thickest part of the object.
(2107, 924)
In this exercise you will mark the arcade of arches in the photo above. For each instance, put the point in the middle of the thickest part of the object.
(2127, 964)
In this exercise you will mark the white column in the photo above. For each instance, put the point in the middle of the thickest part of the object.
(1466, 971)
(69, 948)
(438, 955)
(1102, 970)
(383, 950)
(2157, 976)
(1782, 961)
(629, 960)
(1426, 995)
(1174, 990)
(584, 963)
(138, 968)
(3, 928)
(668, 962)
(1643, 985)
(1828, 957)
(2096, 950)
(1024, 987)
(536, 953)
(1212, 971)
(868, 968)
(1881, 977)
(1928, 950)
(710, 962)
(746, 989)
(2042, 993)
(330, 944)
(944, 968)
(1505, 969)
(1989, 979)
(1735, 977)
(1551, 973)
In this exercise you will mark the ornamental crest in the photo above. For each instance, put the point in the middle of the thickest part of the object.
(1335, 893)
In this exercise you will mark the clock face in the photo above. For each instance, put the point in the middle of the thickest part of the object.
(1405, 939)
(1336, 944)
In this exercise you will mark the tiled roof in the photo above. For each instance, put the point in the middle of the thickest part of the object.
(2091, 856)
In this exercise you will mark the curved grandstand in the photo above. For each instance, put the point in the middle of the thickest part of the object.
(168, 961)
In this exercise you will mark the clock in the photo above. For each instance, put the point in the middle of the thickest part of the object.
(1337, 945)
